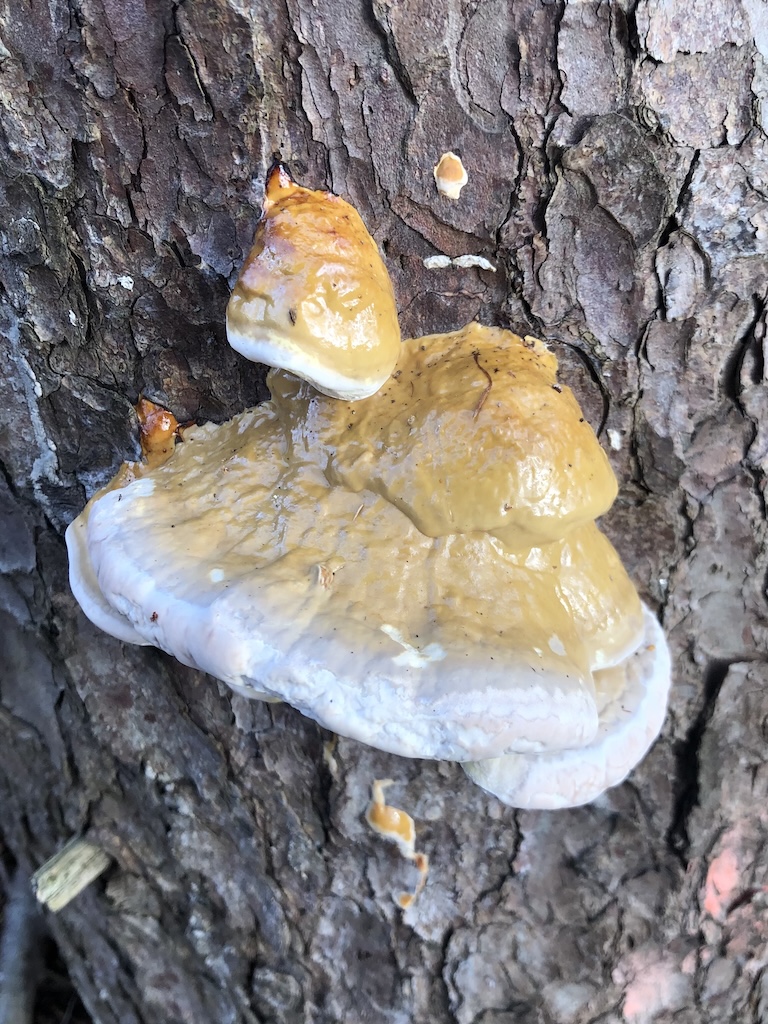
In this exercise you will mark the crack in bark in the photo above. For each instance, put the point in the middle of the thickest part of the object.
(377, 16)
(688, 761)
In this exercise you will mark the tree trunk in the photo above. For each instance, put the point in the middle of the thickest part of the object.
(618, 181)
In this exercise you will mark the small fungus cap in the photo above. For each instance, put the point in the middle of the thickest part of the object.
(450, 175)
(313, 295)
(256, 554)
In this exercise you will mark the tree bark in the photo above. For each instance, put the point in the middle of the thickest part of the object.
(618, 181)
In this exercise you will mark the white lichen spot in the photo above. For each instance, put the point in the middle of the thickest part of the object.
(72, 317)
(760, 223)
(125, 281)
(31, 374)
(614, 439)
(45, 466)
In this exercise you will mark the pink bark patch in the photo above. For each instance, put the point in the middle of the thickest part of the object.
(657, 987)
(722, 883)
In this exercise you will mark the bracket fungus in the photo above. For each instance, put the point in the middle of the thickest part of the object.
(313, 295)
(420, 571)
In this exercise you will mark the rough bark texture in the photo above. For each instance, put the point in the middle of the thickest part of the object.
(618, 166)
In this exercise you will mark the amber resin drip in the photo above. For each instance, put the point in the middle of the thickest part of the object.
(158, 430)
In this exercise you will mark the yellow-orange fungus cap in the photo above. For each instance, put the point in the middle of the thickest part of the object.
(450, 175)
(313, 295)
